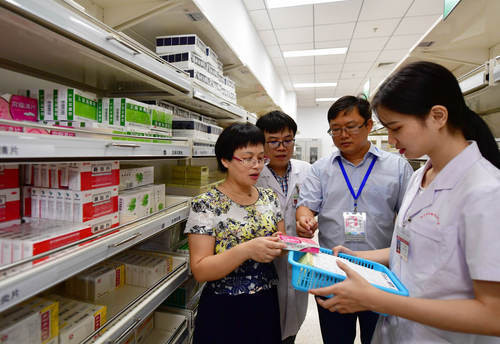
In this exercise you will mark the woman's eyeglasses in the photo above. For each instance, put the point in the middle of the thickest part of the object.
(251, 162)
(285, 143)
(352, 129)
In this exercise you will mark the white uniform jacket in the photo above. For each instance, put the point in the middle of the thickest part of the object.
(454, 239)
(293, 303)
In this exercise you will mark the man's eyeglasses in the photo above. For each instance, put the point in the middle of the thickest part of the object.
(352, 129)
(285, 143)
(250, 162)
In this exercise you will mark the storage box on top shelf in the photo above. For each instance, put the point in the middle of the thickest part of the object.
(135, 176)
(93, 175)
(10, 207)
(179, 44)
(213, 132)
(202, 78)
(213, 59)
(124, 112)
(180, 112)
(186, 60)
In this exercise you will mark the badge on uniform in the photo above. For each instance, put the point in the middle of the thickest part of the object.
(402, 242)
(296, 196)
(355, 226)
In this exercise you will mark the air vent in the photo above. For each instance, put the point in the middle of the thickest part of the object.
(425, 44)
(195, 16)
(384, 64)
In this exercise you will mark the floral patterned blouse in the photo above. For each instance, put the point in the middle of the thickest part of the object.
(215, 214)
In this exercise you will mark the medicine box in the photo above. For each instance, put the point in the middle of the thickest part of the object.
(48, 311)
(93, 175)
(142, 270)
(213, 59)
(132, 177)
(179, 44)
(186, 60)
(96, 281)
(190, 128)
(144, 329)
(10, 206)
(23, 108)
(161, 119)
(20, 325)
(46, 104)
(9, 176)
(124, 112)
(74, 105)
(159, 197)
(92, 204)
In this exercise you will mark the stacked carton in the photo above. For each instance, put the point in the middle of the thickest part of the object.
(139, 197)
(10, 197)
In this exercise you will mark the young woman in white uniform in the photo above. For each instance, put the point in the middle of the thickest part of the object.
(446, 243)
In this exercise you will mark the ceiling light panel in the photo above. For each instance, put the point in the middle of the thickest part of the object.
(315, 84)
(290, 3)
(315, 52)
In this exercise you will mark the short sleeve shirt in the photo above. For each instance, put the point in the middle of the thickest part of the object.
(215, 214)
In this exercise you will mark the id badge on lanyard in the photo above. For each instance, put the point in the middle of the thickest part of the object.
(355, 221)
(402, 241)
(295, 196)
(355, 224)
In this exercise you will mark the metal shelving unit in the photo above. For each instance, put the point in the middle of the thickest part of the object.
(129, 310)
(24, 279)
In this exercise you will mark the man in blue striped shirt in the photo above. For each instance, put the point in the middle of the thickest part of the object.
(356, 193)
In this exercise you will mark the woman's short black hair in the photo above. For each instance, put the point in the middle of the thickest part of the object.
(347, 103)
(236, 136)
(275, 122)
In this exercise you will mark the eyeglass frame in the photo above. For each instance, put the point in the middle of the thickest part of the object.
(346, 129)
(245, 162)
(290, 142)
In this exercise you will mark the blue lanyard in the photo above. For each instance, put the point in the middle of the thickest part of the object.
(362, 183)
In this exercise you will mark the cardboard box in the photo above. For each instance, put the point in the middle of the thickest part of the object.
(95, 282)
(20, 325)
(10, 206)
(48, 311)
(136, 203)
(93, 175)
(92, 204)
(9, 176)
(142, 270)
(179, 44)
(132, 177)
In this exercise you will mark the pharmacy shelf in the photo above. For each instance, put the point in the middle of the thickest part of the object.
(128, 306)
(51, 41)
(203, 148)
(20, 147)
(24, 279)
(164, 337)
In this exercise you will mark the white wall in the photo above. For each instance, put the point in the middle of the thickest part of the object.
(313, 123)
(239, 33)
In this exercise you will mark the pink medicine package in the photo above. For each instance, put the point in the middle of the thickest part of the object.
(299, 244)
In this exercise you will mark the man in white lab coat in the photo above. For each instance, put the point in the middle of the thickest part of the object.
(284, 175)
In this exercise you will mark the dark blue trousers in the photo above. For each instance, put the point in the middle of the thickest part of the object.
(339, 328)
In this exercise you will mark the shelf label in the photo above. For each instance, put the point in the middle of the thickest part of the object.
(8, 150)
(9, 297)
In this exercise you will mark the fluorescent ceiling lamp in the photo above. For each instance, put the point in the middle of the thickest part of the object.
(315, 52)
(315, 84)
(326, 99)
(290, 3)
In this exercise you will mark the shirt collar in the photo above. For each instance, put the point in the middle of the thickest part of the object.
(373, 150)
(288, 169)
(454, 170)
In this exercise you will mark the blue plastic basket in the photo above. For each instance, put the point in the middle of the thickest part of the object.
(305, 277)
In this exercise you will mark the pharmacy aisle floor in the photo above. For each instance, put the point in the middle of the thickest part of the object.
(310, 332)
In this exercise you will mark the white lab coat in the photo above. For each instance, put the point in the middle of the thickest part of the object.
(454, 239)
(293, 303)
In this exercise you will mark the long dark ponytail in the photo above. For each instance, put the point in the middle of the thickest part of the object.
(417, 87)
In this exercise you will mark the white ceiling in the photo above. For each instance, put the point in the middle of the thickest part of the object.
(375, 31)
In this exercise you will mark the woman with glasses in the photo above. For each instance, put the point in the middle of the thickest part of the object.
(232, 245)
(446, 242)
